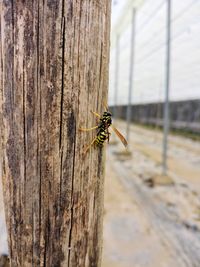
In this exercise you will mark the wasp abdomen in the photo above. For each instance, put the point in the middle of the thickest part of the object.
(101, 137)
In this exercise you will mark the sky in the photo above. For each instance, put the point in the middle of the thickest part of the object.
(150, 52)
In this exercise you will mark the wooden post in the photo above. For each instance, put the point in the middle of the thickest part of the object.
(54, 70)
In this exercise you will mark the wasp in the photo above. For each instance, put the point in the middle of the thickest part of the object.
(103, 134)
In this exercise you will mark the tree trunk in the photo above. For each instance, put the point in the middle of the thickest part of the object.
(54, 70)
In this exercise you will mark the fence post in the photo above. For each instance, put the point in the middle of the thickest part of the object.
(54, 70)
(116, 86)
(131, 76)
(167, 87)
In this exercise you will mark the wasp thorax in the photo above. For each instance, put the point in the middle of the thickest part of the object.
(107, 118)
(107, 113)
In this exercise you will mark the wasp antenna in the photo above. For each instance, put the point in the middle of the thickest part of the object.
(105, 105)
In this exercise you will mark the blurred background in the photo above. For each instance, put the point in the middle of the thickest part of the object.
(152, 190)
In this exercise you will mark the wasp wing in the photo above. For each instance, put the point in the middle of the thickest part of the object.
(121, 137)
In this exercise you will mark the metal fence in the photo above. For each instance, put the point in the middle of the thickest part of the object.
(155, 58)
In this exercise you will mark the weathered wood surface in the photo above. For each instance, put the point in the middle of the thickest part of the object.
(54, 70)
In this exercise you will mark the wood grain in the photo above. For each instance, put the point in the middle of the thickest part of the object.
(54, 70)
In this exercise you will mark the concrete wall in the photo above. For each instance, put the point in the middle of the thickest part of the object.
(184, 115)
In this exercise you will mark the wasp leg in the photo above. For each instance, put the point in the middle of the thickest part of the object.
(88, 129)
(96, 114)
(108, 137)
(88, 147)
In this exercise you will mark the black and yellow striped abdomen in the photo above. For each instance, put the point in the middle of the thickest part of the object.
(101, 137)
(103, 133)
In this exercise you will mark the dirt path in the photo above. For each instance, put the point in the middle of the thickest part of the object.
(129, 238)
(183, 153)
(152, 226)
(3, 241)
